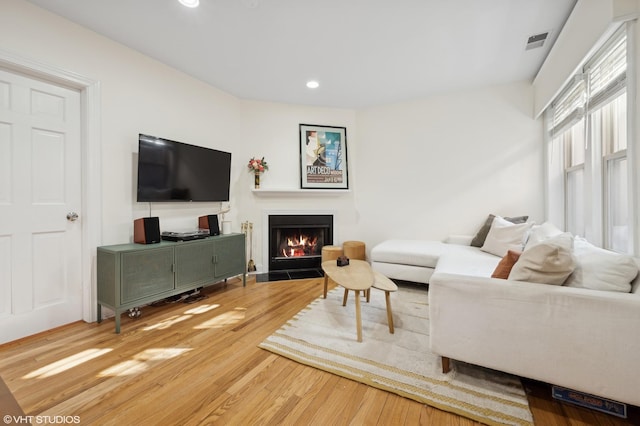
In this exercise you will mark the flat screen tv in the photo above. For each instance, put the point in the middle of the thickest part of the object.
(176, 171)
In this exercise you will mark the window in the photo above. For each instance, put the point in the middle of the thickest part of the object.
(617, 220)
(609, 129)
(572, 140)
(589, 124)
(568, 132)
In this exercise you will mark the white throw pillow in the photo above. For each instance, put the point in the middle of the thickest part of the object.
(548, 262)
(539, 233)
(600, 269)
(504, 236)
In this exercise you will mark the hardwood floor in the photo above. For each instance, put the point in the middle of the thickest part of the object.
(199, 363)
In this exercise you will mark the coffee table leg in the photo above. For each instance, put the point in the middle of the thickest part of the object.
(344, 298)
(387, 297)
(326, 282)
(358, 316)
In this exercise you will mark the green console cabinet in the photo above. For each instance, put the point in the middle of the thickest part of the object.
(194, 263)
(132, 275)
(229, 256)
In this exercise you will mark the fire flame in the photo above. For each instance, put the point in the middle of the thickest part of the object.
(301, 245)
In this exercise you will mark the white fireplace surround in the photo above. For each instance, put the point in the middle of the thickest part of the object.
(265, 230)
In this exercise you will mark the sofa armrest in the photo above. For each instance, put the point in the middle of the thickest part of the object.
(585, 340)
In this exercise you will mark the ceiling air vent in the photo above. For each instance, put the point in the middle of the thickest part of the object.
(536, 41)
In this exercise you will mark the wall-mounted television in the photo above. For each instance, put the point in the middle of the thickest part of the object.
(176, 171)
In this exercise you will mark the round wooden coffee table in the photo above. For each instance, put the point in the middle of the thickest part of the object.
(357, 276)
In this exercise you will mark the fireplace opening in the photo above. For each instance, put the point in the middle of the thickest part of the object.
(299, 242)
(296, 241)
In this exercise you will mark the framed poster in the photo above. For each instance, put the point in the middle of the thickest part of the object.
(323, 157)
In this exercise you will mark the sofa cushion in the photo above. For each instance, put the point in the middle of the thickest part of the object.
(481, 236)
(548, 262)
(600, 269)
(408, 252)
(418, 252)
(413, 273)
(506, 264)
(468, 261)
(504, 236)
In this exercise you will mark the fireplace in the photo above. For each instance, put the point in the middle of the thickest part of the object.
(296, 240)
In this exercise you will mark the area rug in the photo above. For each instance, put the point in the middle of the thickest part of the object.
(323, 335)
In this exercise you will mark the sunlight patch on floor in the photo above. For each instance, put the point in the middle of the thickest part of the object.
(189, 313)
(228, 318)
(66, 363)
(166, 323)
(201, 309)
(143, 361)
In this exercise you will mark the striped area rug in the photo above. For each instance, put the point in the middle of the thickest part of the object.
(323, 335)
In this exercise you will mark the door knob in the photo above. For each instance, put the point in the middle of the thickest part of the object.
(72, 216)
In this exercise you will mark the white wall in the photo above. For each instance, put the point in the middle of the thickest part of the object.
(138, 95)
(439, 166)
(271, 130)
(419, 169)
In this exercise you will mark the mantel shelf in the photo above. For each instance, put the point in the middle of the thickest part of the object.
(275, 192)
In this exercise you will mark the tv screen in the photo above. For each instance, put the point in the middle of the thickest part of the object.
(176, 171)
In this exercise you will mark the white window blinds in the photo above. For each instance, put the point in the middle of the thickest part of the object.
(568, 109)
(607, 71)
(603, 77)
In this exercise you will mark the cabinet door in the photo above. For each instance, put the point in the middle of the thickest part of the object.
(146, 273)
(230, 256)
(194, 264)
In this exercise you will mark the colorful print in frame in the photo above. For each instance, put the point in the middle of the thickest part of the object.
(323, 157)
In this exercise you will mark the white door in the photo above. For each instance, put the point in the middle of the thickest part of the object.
(40, 184)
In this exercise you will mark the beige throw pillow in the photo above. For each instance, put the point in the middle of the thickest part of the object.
(600, 269)
(539, 233)
(504, 236)
(548, 262)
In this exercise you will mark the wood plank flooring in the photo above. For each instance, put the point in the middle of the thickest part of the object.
(193, 364)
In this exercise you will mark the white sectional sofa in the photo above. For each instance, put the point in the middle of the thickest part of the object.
(576, 337)
(416, 260)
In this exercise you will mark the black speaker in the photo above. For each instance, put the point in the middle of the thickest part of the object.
(146, 230)
(209, 222)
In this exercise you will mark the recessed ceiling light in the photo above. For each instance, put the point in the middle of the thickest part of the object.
(190, 3)
(313, 84)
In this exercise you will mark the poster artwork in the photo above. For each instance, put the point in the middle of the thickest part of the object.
(324, 157)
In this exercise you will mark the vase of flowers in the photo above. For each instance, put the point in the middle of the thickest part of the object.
(257, 166)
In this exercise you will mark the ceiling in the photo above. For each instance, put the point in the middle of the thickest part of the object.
(362, 52)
